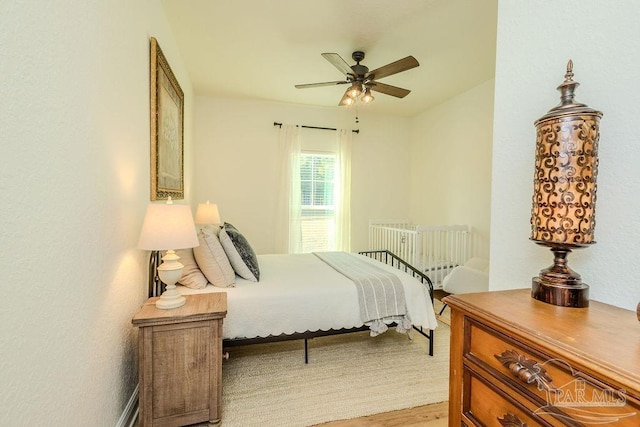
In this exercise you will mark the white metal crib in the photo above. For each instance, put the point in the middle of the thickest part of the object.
(435, 250)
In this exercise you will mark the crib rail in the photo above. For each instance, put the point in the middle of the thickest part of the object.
(434, 250)
(400, 238)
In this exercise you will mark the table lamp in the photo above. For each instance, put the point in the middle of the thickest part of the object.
(207, 213)
(167, 227)
(564, 197)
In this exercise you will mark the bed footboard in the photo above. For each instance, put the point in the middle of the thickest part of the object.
(387, 257)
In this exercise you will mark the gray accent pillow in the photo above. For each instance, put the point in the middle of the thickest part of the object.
(241, 255)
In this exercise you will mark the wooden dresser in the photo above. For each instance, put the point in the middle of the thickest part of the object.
(516, 361)
(180, 361)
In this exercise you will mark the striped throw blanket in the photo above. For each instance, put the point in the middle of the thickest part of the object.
(380, 293)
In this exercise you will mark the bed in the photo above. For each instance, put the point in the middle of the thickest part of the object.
(301, 296)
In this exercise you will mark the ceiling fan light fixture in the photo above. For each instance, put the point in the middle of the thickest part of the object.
(355, 90)
(347, 100)
(367, 98)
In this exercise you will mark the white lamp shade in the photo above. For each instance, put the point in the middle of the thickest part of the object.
(207, 213)
(168, 226)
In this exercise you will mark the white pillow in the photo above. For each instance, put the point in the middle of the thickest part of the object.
(240, 253)
(212, 260)
(192, 277)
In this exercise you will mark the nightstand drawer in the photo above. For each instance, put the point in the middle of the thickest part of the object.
(547, 381)
(171, 393)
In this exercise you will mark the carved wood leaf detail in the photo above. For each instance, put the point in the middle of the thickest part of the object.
(526, 370)
(511, 420)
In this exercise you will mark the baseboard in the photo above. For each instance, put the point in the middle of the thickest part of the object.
(130, 414)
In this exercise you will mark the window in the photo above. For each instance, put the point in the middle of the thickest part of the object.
(318, 200)
(314, 207)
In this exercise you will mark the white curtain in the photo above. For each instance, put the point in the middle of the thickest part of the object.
(343, 196)
(289, 223)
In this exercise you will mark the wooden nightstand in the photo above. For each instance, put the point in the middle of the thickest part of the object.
(180, 361)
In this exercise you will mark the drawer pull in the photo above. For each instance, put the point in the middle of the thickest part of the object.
(526, 370)
(511, 420)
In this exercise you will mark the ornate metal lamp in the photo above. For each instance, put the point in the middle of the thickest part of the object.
(564, 193)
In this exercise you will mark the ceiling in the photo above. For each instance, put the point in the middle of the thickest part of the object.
(261, 49)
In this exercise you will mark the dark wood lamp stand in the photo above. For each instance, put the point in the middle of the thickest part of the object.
(558, 284)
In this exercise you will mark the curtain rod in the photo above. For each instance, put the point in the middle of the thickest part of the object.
(316, 127)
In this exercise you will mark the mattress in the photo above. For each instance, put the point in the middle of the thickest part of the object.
(300, 293)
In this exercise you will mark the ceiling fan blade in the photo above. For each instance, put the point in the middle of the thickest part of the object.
(339, 82)
(398, 92)
(400, 65)
(338, 62)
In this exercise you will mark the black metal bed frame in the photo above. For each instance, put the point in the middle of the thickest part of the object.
(383, 256)
(156, 287)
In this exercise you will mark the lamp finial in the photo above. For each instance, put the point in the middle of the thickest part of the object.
(569, 75)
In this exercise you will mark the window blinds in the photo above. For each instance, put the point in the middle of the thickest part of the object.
(317, 182)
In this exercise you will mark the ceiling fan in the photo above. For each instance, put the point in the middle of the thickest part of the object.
(364, 81)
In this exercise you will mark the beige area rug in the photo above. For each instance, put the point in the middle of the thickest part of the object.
(348, 376)
(445, 317)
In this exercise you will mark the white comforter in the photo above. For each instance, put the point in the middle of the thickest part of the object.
(299, 293)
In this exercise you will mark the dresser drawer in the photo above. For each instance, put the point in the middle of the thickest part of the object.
(487, 403)
(573, 359)
(551, 384)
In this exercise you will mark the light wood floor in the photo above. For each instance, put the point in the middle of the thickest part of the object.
(434, 415)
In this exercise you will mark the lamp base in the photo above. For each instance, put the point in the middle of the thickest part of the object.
(558, 284)
(170, 298)
(170, 272)
(576, 296)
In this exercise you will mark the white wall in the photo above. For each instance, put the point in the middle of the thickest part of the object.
(74, 176)
(451, 164)
(238, 168)
(535, 41)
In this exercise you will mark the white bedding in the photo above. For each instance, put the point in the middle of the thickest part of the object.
(299, 293)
